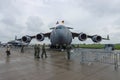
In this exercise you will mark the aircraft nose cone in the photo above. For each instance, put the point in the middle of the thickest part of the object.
(61, 37)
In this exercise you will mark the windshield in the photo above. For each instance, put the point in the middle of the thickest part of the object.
(60, 27)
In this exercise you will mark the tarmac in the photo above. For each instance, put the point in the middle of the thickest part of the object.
(23, 66)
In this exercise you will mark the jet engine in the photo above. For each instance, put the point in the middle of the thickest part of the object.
(40, 37)
(26, 39)
(82, 37)
(96, 38)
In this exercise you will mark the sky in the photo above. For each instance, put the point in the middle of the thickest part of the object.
(30, 17)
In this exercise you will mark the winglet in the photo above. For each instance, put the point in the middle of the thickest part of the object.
(15, 37)
(108, 37)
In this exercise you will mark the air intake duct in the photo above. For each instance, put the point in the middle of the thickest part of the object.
(40, 37)
(26, 39)
(82, 37)
(96, 38)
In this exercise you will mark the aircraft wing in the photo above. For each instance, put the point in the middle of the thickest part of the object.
(39, 37)
(95, 38)
(100, 36)
(47, 34)
(75, 34)
(19, 39)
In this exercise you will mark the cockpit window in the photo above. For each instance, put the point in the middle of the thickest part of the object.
(60, 27)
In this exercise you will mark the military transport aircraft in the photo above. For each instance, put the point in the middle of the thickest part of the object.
(61, 36)
(17, 42)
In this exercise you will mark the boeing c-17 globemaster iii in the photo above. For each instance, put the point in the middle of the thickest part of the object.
(62, 36)
(17, 43)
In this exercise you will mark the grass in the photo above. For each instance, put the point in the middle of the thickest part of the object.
(117, 46)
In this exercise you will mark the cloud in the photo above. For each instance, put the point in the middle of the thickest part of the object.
(34, 23)
(29, 17)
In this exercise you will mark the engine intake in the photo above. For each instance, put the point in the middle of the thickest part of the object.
(96, 38)
(26, 39)
(82, 37)
(40, 37)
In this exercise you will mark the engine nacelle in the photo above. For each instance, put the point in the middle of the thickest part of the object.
(26, 39)
(96, 38)
(40, 37)
(82, 37)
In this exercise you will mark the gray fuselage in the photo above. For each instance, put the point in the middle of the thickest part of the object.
(61, 35)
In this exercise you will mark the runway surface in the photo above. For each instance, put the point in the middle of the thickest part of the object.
(23, 66)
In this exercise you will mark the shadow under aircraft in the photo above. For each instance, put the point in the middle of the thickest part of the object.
(61, 36)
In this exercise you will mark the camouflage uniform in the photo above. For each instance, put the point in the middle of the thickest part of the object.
(43, 51)
(35, 49)
(68, 51)
(22, 49)
(8, 50)
(38, 51)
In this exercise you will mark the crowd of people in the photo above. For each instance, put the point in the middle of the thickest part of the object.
(37, 50)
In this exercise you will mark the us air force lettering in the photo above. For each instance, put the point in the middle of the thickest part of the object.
(62, 36)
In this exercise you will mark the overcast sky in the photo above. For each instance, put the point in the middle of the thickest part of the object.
(29, 17)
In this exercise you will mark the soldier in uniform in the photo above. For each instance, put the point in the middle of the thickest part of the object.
(43, 51)
(68, 51)
(8, 50)
(35, 50)
(38, 51)
(22, 49)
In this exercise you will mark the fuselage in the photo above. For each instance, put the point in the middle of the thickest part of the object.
(17, 43)
(61, 35)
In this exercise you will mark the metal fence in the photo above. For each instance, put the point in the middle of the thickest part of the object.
(97, 55)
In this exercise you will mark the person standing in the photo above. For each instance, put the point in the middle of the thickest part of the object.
(35, 50)
(38, 51)
(68, 51)
(22, 49)
(8, 50)
(43, 51)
